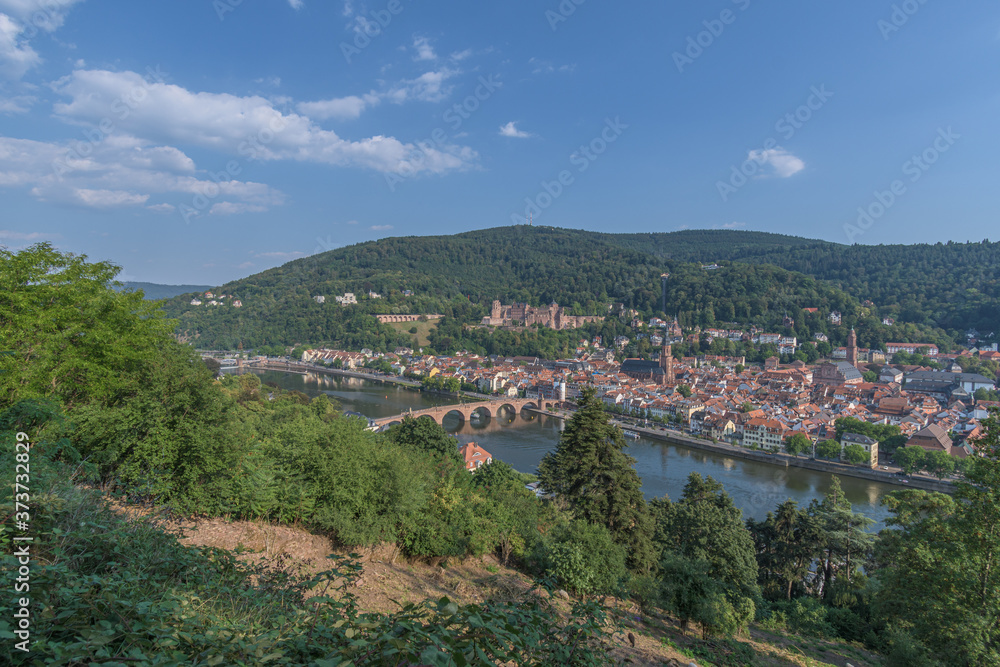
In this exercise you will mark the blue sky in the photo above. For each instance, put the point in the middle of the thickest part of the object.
(202, 141)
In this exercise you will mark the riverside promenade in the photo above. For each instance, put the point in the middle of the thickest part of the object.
(776, 459)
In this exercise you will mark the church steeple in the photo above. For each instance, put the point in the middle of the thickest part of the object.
(852, 348)
(667, 363)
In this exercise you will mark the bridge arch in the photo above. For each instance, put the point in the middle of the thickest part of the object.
(463, 414)
(482, 409)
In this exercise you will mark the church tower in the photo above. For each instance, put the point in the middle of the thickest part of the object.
(667, 363)
(852, 348)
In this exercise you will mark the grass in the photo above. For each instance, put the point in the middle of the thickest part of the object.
(423, 330)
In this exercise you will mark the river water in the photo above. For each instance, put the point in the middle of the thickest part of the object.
(522, 441)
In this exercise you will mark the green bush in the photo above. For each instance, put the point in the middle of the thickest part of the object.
(806, 616)
(583, 558)
(110, 590)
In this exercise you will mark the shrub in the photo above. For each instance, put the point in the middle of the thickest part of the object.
(583, 558)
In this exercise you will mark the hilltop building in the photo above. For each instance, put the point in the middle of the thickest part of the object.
(552, 316)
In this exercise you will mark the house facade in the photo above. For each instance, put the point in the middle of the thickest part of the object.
(474, 456)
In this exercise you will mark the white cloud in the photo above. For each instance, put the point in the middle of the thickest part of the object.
(108, 198)
(461, 55)
(17, 104)
(781, 161)
(20, 20)
(341, 108)
(510, 130)
(235, 208)
(250, 126)
(162, 208)
(16, 55)
(428, 87)
(546, 67)
(296, 4)
(7, 234)
(380, 228)
(119, 171)
(45, 15)
(732, 225)
(424, 50)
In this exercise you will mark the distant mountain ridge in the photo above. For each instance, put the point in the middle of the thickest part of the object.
(154, 291)
(761, 277)
(951, 285)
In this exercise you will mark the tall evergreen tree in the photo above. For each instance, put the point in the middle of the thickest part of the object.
(787, 542)
(705, 525)
(708, 572)
(591, 472)
(845, 542)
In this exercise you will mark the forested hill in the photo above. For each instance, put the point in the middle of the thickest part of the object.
(460, 275)
(952, 285)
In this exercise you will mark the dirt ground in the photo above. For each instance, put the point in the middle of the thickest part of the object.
(388, 580)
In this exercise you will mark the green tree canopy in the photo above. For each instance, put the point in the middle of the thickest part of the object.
(591, 472)
(939, 463)
(845, 542)
(425, 434)
(857, 455)
(705, 525)
(940, 585)
(910, 459)
(798, 443)
(828, 449)
(787, 542)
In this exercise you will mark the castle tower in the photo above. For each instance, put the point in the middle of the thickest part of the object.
(667, 363)
(852, 348)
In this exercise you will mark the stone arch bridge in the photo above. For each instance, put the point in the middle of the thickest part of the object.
(466, 410)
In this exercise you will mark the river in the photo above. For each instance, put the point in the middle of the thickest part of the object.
(522, 441)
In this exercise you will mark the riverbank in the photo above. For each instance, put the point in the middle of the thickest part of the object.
(524, 439)
(303, 368)
(780, 460)
(667, 435)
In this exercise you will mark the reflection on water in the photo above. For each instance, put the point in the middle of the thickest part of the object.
(522, 440)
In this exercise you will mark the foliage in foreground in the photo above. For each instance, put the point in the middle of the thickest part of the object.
(112, 591)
